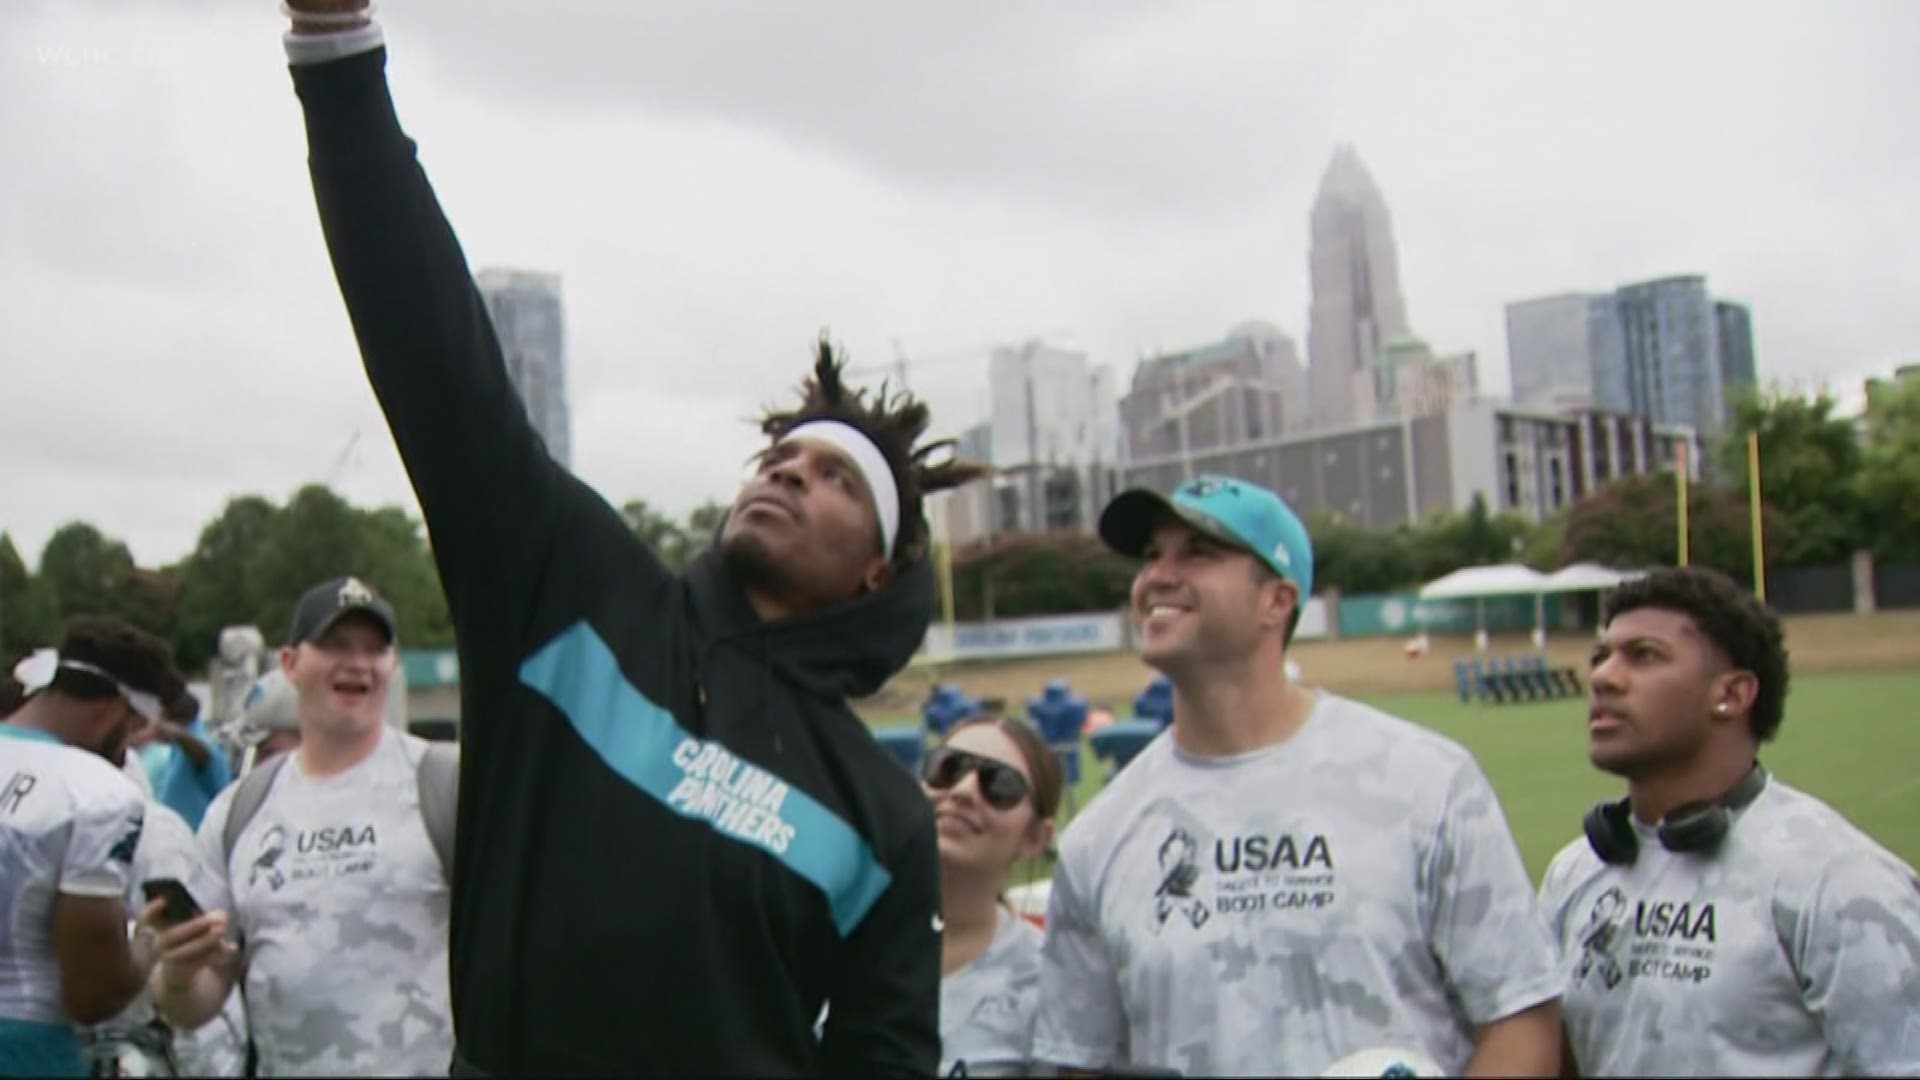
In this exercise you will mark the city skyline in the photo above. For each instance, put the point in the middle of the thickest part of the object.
(715, 201)
(1356, 305)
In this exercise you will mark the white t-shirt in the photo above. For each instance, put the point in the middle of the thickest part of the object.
(1351, 888)
(136, 771)
(69, 823)
(167, 849)
(1793, 951)
(986, 1007)
(341, 908)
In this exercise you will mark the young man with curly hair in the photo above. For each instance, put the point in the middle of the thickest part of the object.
(1717, 922)
(70, 822)
(677, 843)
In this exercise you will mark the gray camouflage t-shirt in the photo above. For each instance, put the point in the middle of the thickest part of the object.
(1793, 951)
(1354, 887)
(340, 904)
(986, 1008)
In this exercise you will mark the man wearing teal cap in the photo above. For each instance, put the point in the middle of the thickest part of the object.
(1286, 879)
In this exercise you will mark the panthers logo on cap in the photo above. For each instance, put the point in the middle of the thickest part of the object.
(1200, 489)
(353, 592)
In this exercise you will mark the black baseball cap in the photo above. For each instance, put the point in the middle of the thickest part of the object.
(330, 601)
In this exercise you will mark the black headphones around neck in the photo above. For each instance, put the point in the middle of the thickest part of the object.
(1693, 829)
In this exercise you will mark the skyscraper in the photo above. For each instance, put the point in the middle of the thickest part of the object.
(1246, 387)
(1053, 438)
(1355, 276)
(1568, 351)
(1409, 381)
(531, 325)
(1663, 349)
(1735, 326)
(1673, 353)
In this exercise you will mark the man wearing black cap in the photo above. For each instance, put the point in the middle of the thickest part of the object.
(330, 880)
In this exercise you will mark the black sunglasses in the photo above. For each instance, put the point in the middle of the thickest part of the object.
(1000, 783)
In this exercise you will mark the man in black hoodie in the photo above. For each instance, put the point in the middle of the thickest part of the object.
(676, 843)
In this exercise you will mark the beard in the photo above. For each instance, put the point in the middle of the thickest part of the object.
(113, 746)
(752, 566)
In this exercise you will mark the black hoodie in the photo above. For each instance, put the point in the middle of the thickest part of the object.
(676, 842)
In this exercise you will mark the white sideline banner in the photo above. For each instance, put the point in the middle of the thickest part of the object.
(1054, 635)
(1061, 635)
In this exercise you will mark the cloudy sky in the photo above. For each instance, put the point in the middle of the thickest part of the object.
(718, 181)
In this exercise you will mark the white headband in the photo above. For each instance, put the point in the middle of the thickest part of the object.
(36, 672)
(872, 465)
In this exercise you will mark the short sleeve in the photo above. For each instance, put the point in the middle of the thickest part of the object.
(1856, 949)
(1556, 890)
(106, 832)
(1483, 920)
(168, 849)
(1081, 1019)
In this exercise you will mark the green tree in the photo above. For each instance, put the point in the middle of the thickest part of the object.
(1357, 561)
(213, 578)
(318, 536)
(399, 564)
(313, 538)
(1634, 522)
(676, 543)
(703, 526)
(1888, 484)
(656, 529)
(1039, 574)
(150, 600)
(1808, 461)
(1447, 542)
(1542, 550)
(28, 617)
(86, 572)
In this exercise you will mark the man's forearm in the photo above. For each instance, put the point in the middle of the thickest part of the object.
(193, 1002)
(1524, 1044)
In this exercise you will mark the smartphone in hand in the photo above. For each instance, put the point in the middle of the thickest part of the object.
(181, 906)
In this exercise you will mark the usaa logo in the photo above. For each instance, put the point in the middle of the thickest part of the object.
(1666, 919)
(335, 839)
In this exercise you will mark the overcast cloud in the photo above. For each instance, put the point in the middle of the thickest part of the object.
(719, 181)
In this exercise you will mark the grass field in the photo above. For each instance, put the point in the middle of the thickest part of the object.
(1852, 740)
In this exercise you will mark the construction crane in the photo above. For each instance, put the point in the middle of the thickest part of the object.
(346, 455)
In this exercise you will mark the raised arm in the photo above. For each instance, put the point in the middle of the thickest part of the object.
(486, 484)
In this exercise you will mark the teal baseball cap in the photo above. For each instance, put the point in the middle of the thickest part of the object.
(1245, 515)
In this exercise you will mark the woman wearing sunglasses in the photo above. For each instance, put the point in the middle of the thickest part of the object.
(994, 786)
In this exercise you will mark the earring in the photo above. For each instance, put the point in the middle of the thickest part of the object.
(1720, 709)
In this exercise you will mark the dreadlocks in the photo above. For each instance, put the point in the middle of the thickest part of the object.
(895, 421)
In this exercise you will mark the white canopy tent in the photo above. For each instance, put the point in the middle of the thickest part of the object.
(1588, 577)
(1480, 582)
(1477, 583)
